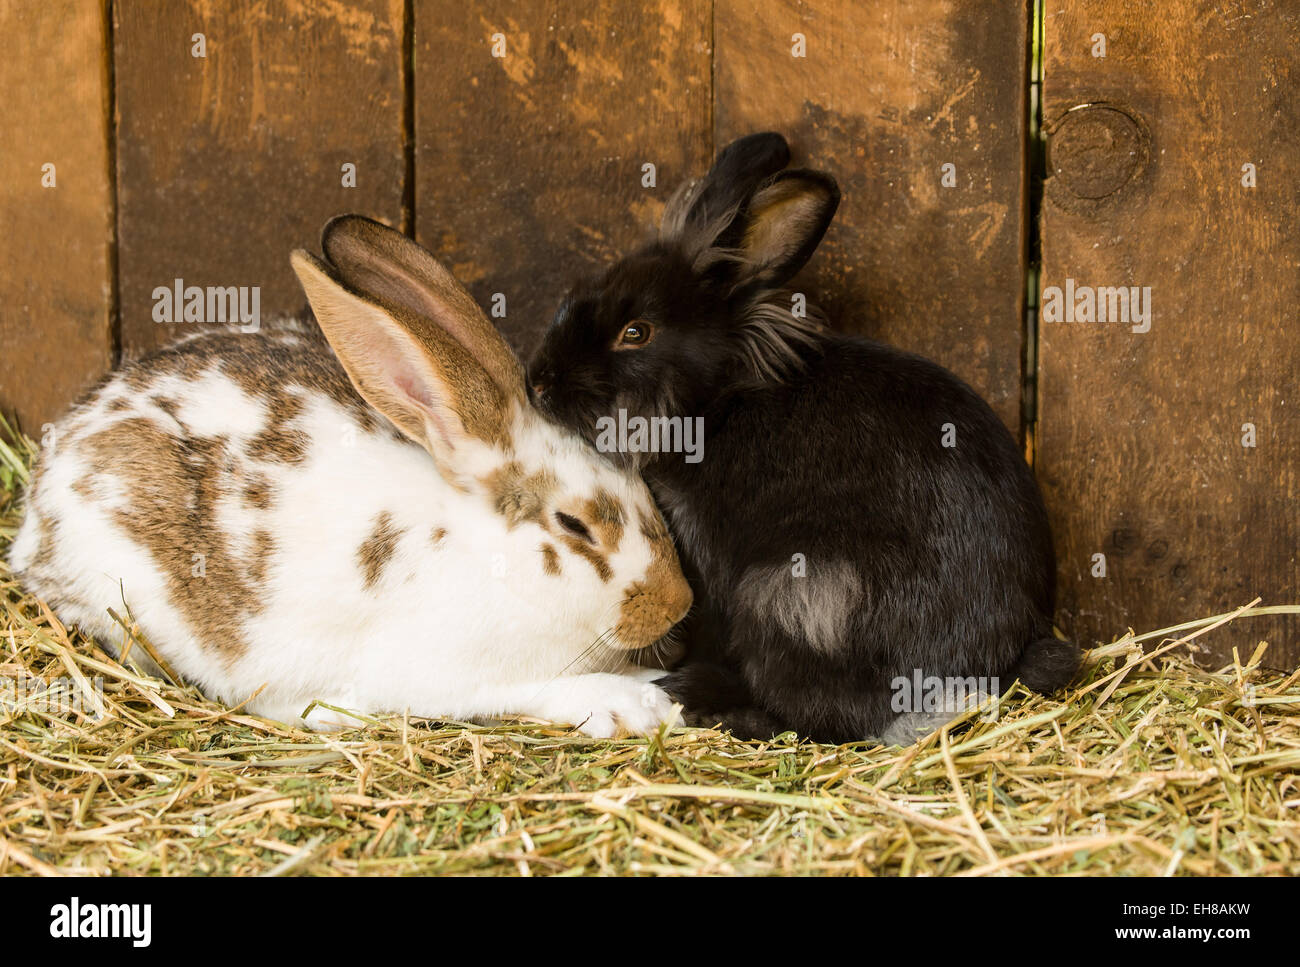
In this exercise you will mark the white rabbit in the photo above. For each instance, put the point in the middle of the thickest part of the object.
(432, 544)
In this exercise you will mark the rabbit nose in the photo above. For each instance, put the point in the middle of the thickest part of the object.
(539, 389)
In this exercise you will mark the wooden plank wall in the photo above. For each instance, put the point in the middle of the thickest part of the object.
(56, 224)
(1141, 433)
(885, 95)
(229, 161)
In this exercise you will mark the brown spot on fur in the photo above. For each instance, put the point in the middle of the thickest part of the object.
(187, 360)
(257, 493)
(438, 534)
(606, 516)
(550, 560)
(167, 405)
(518, 496)
(279, 444)
(263, 548)
(44, 555)
(377, 549)
(84, 487)
(653, 528)
(593, 557)
(652, 606)
(118, 404)
(176, 484)
(278, 441)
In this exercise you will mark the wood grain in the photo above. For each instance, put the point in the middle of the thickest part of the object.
(55, 289)
(1140, 434)
(529, 166)
(227, 163)
(886, 95)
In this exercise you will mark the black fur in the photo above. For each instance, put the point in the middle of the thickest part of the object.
(833, 451)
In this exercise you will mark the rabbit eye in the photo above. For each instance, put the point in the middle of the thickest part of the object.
(574, 526)
(636, 333)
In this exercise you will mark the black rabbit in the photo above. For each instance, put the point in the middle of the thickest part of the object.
(859, 519)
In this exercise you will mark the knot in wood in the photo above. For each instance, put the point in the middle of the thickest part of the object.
(1096, 149)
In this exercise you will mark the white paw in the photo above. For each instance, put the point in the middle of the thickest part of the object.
(604, 706)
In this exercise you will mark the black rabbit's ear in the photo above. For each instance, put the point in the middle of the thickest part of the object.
(781, 226)
(701, 211)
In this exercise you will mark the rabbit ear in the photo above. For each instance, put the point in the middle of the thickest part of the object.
(431, 386)
(782, 225)
(700, 213)
(381, 262)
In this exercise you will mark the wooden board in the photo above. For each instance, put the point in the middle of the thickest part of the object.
(55, 290)
(228, 162)
(886, 95)
(529, 166)
(1140, 434)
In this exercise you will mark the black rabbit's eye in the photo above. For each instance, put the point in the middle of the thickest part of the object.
(574, 526)
(636, 333)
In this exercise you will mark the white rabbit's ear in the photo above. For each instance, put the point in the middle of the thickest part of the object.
(382, 263)
(417, 375)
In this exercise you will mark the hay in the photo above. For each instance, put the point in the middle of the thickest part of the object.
(1150, 766)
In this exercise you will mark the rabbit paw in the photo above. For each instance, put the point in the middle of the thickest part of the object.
(603, 705)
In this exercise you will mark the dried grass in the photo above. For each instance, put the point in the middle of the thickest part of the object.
(1150, 766)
